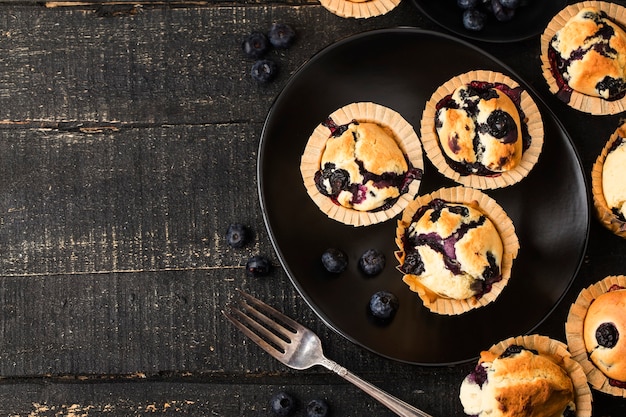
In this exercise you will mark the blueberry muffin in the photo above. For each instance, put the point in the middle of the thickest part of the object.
(482, 130)
(456, 248)
(528, 376)
(584, 57)
(607, 182)
(596, 334)
(359, 9)
(363, 164)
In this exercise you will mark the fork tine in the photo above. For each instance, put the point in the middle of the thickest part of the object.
(270, 311)
(252, 335)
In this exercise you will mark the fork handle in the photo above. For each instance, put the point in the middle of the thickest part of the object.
(394, 404)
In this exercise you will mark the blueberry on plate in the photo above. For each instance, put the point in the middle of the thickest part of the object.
(467, 4)
(264, 70)
(317, 408)
(258, 266)
(383, 305)
(334, 260)
(372, 262)
(237, 235)
(281, 35)
(255, 45)
(283, 404)
(474, 19)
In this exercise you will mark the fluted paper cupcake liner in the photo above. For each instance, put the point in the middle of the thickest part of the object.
(360, 9)
(504, 225)
(558, 351)
(433, 150)
(603, 211)
(577, 100)
(574, 333)
(406, 139)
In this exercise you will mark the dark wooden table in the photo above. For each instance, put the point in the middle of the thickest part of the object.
(128, 142)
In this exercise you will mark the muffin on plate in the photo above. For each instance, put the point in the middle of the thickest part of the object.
(482, 130)
(456, 249)
(596, 334)
(526, 376)
(584, 57)
(607, 183)
(363, 164)
(360, 9)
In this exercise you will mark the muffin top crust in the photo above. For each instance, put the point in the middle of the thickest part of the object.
(588, 55)
(613, 184)
(481, 129)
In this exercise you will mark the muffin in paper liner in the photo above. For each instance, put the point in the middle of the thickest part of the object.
(603, 211)
(532, 119)
(559, 354)
(406, 139)
(360, 9)
(574, 333)
(443, 305)
(585, 103)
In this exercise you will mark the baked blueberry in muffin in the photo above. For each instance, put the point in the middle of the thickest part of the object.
(604, 333)
(519, 382)
(482, 129)
(452, 249)
(588, 55)
(362, 166)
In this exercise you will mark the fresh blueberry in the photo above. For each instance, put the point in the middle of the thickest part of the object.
(281, 35)
(511, 4)
(474, 19)
(334, 260)
(237, 235)
(467, 4)
(255, 45)
(258, 266)
(503, 14)
(283, 404)
(383, 305)
(264, 70)
(372, 262)
(317, 408)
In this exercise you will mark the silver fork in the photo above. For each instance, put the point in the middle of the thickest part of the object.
(300, 348)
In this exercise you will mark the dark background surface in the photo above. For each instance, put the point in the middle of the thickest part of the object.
(129, 138)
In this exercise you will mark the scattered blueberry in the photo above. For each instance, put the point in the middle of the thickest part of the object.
(255, 45)
(503, 14)
(317, 408)
(467, 4)
(237, 235)
(264, 70)
(283, 404)
(474, 19)
(281, 35)
(511, 4)
(372, 262)
(258, 266)
(383, 305)
(334, 260)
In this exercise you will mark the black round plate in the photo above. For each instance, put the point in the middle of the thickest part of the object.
(529, 21)
(549, 208)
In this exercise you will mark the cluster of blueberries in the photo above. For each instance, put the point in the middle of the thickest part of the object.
(257, 44)
(383, 304)
(476, 12)
(284, 404)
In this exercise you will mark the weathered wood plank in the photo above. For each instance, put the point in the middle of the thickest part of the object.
(158, 66)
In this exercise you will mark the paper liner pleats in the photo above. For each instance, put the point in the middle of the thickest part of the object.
(603, 211)
(433, 150)
(558, 351)
(574, 333)
(406, 139)
(360, 9)
(504, 225)
(579, 101)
